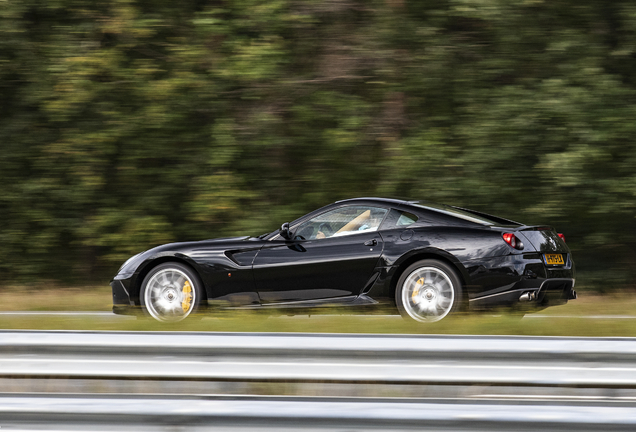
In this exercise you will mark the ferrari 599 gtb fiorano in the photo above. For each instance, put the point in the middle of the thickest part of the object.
(425, 260)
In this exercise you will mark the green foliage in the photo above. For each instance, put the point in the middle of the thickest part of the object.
(126, 123)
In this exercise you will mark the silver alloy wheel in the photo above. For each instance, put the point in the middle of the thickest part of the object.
(169, 295)
(428, 294)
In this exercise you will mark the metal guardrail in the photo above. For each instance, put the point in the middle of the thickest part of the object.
(526, 361)
(495, 382)
(155, 413)
(228, 343)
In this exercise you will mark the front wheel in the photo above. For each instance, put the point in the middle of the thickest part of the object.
(428, 291)
(170, 292)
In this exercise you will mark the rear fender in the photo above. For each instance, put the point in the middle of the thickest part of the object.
(389, 279)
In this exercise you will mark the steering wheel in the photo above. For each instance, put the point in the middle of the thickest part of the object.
(326, 229)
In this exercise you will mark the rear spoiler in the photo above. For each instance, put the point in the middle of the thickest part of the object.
(536, 228)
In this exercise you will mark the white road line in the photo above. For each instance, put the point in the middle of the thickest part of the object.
(101, 313)
(583, 316)
(70, 314)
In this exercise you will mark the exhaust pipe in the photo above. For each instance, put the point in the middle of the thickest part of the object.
(527, 296)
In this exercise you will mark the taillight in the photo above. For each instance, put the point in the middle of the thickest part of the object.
(513, 241)
(562, 237)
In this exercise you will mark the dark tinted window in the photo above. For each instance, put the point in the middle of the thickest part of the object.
(458, 213)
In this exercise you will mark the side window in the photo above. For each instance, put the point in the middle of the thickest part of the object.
(406, 219)
(397, 219)
(341, 222)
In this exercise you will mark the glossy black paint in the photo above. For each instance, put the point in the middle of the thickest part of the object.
(315, 269)
(362, 269)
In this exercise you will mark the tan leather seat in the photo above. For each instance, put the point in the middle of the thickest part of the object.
(356, 223)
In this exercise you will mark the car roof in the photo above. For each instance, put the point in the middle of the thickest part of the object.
(417, 206)
(392, 201)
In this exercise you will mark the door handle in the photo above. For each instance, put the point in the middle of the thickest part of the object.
(371, 242)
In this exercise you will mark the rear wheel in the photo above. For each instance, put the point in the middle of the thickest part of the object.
(428, 291)
(170, 292)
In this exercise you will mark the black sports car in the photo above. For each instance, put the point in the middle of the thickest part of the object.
(426, 259)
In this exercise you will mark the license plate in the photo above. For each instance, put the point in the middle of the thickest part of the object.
(554, 259)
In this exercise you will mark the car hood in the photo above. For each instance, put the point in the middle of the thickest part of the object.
(201, 244)
(182, 248)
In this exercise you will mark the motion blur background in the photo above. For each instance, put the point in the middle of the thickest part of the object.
(126, 124)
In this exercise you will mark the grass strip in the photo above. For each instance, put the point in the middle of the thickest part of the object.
(553, 322)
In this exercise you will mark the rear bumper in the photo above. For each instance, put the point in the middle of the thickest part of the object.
(521, 280)
(549, 292)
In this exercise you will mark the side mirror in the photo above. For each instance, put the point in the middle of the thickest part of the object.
(284, 231)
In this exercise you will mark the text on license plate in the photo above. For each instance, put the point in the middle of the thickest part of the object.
(554, 259)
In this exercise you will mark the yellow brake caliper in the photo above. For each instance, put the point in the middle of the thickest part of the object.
(416, 291)
(187, 296)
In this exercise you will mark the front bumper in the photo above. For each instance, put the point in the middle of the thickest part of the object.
(122, 303)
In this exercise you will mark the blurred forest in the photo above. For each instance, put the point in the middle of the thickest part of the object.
(127, 123)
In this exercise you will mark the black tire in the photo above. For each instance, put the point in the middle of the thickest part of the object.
(171, 292)
(428, 300)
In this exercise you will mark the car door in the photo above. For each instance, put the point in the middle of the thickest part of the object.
(332, 255)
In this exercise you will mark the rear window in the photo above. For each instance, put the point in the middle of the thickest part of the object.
(458, 213)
